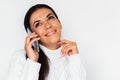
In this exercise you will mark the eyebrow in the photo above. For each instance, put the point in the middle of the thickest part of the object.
(36, 21)
(50, 14)
(46, 16)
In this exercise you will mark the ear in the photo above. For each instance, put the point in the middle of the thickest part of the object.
(32, 30)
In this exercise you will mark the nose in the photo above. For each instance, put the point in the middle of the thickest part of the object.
(48, 25)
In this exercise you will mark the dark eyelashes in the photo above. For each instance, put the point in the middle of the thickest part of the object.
(37, 24)
(51, 17)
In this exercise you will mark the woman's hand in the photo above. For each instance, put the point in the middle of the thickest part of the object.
(30, 39)
(69, 47)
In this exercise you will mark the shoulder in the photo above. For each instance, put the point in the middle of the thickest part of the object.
(18, 55)
(16, 63)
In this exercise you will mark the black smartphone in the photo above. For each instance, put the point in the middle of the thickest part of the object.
(35, 45)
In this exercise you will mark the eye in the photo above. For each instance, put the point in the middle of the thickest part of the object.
(51, 17)
(38, 24)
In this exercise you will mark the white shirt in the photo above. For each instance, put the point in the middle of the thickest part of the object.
(61, 67)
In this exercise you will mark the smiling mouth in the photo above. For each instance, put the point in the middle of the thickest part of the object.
(50, 33)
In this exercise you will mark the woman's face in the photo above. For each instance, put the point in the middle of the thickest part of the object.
(46, 25)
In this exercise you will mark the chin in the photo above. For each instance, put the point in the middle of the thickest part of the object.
(54, 41)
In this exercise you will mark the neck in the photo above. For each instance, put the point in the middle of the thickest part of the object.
(52, 46)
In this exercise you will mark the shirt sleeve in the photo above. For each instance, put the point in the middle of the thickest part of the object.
(23, 69)
(76, 68)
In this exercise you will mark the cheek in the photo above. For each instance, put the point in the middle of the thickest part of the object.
(55, 23)
(39, 32)
(60, 27)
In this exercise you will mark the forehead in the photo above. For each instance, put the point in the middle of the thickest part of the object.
(40, 13)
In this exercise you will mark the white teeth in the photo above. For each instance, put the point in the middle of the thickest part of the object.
(51, 33)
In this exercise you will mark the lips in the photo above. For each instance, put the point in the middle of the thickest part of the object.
(50, 33)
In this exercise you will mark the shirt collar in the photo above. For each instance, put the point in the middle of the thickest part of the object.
(52, 54)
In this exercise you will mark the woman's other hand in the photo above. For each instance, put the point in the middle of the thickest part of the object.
(68, 48)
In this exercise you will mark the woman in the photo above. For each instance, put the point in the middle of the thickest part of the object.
(55, 59)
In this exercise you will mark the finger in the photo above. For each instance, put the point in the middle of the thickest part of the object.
(34, 40)
(70, 53)
(31, 42)
(63, 42)
(68, 50)
(30, 34)
(64, 48)
(30, 37)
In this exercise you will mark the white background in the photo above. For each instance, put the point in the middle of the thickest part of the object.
(93, 24)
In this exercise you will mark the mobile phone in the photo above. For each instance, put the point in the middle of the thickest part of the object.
(35, 44)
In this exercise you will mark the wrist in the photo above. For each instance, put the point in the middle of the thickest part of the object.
(34, 59)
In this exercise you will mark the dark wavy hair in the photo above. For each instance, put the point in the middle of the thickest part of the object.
(43, 59)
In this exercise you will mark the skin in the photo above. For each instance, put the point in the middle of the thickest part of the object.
(47, 28)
